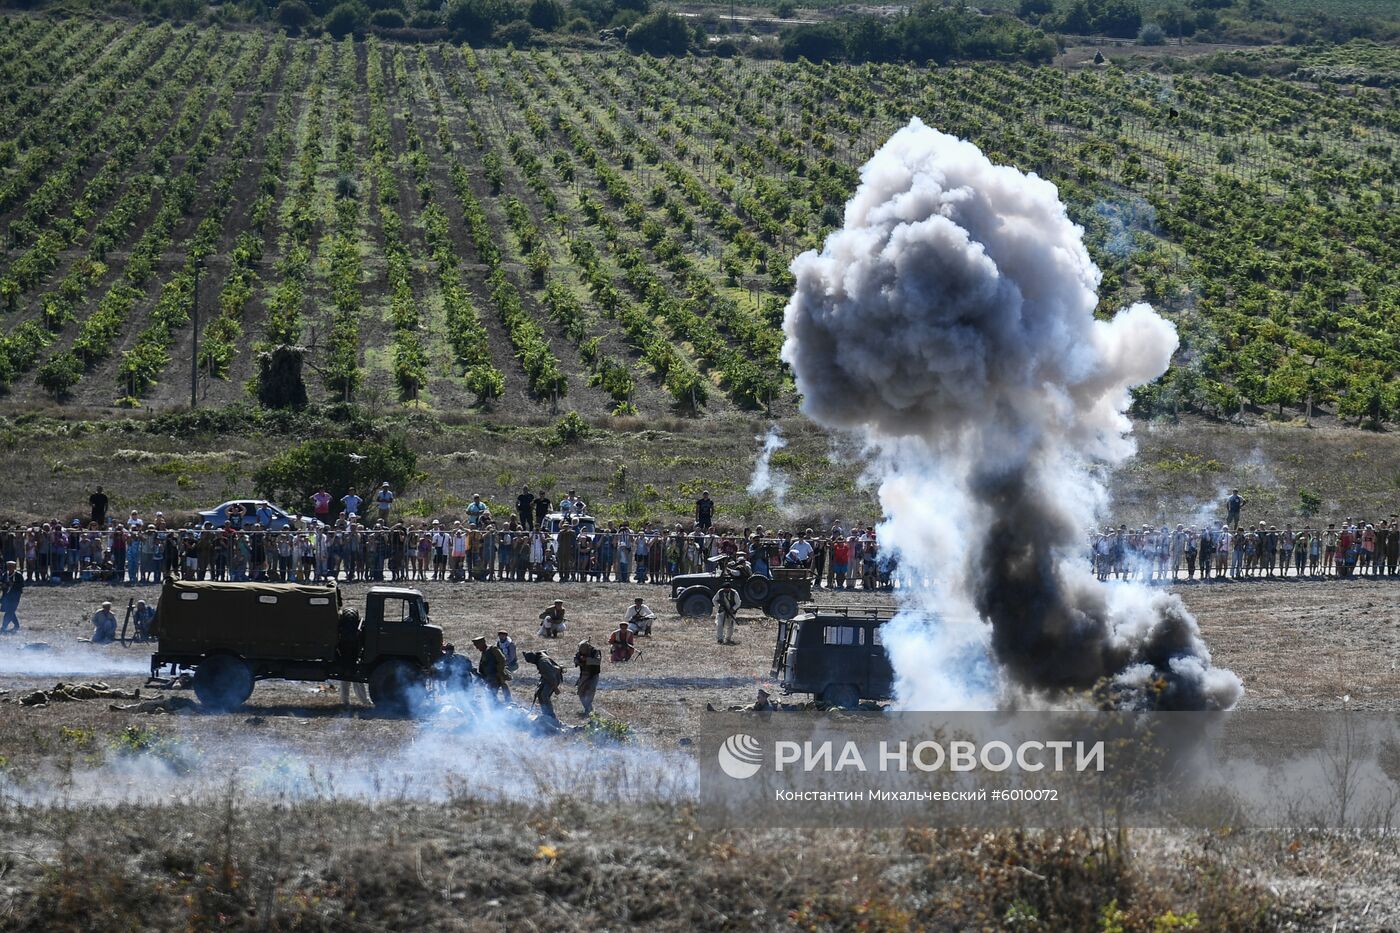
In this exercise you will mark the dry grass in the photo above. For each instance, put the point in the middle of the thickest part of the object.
(241, 864)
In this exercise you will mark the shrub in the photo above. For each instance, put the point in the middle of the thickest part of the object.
(293, 15)
(336, 464)
(60, 374)
(346, 19)
(517, 33)
(547, 15)
(660, 33)
(571, 428)
(1152, 34)
(387, 19)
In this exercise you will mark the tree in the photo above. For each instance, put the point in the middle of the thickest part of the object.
(817, 42)
(347, 19)
(546, 15)
(336, 465)
(660, 33)
(293, 15)
(473, 20)
(387, 19)
(60, 374)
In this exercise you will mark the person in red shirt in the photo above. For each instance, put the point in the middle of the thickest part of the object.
(1343, 546)
(841, 561)
(622, 643)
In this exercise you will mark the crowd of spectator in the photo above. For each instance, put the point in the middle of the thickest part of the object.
(542, 542)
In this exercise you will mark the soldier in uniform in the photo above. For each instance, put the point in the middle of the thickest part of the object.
(551, 676)
(726, 612)
(589, 661)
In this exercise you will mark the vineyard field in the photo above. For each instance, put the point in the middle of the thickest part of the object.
(546, 229)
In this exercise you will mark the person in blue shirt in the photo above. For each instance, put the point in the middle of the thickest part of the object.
(351, 502)
(104, 625)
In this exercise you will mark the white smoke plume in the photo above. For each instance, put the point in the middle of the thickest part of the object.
(462, 745)
(950, 323)
(765, 478)
(45, 660)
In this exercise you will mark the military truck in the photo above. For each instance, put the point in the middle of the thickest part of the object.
(835, 654)
(235, 634)
(778, 594)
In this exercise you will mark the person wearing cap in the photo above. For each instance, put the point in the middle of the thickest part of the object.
(639, 617)
(384, 500)
(104, 625)
(492, 668)
(552, 620)
(11, 588)
(726, 613)
(142, 619)
(551, 677)
(622, 644)
(589, 661)
(442, 546)
(507, 646)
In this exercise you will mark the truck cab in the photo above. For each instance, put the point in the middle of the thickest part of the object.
(397, 624)
(835, 654)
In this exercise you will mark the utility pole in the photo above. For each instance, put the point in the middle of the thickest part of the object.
(194, 329)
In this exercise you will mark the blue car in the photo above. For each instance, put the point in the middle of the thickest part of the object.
(277, 518)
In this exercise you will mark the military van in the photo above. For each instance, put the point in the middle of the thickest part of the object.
(235, 634)
(835, 654)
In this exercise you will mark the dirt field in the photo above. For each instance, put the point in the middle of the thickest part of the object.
(287, 757)
(1297, 645)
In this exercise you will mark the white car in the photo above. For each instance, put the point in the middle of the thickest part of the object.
(280, 518)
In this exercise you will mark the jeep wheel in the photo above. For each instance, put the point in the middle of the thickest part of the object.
(695, 604)
(222, 683)
(396, 686)
(756, 589)
(841, 696)
(782, 607)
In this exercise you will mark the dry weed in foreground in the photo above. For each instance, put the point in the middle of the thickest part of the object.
(238, 863)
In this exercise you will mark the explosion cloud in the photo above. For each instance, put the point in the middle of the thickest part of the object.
(950, 323)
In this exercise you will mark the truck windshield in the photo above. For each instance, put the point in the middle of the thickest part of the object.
(402, 610)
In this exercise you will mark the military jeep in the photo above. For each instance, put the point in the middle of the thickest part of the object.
(778, 594)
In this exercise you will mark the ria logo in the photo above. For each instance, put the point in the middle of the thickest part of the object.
(740, 756)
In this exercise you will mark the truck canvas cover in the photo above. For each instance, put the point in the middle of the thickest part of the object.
(252, 620)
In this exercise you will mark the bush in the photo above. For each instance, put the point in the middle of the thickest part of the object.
(473, 20)
(660, 33)
(546, 15)
(293, 15)
(571, 428)
(1152, 34)
(517, 33)
(578, 26)
(346, 19)
(60, 374)
(336, 465)
(387, 19)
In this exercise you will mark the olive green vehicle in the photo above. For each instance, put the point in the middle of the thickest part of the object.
(235, 634)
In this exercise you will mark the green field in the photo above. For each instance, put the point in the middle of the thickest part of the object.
(539, 230)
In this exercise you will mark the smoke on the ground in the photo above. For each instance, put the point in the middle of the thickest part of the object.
(20, 660)
(950, 323)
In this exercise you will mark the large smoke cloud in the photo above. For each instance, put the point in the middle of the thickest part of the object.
(950, 322)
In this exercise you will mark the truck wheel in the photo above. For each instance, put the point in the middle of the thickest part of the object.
(756, 589)
(222, 683)
(841, 696)
(782, 607)
(695, 604)
(396, 686)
